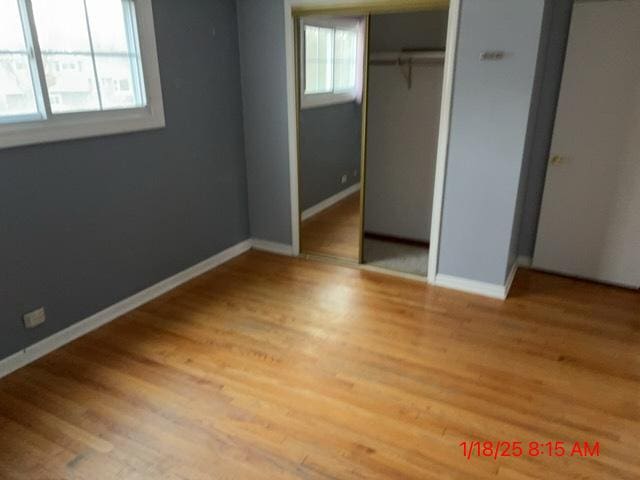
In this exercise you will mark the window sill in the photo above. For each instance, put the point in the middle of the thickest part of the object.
(73, 126)
(81, 125)
(326, 100)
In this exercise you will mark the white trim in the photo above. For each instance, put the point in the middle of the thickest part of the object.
(337, 22)
(472, 286)
(443, 138)
(510, 279)
(272, 247)
(92, 124)
(57, 340)
(325, 99)
(329, 202)
(77, 126)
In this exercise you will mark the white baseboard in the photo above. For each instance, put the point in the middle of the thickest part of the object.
(323, 205)
(510, 279)
(272, 247)
(472, 286)
(57, 340)
(501, 292)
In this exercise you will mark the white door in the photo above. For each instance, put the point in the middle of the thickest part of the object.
(590, 219)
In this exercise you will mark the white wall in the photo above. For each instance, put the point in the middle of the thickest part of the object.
(590, 220)
(622, 251)
(401, 150)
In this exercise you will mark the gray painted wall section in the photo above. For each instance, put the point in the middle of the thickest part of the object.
(329, 148)
(531, 131)
(85, 224)
(490, 116)
(264, 98)
(557, 36)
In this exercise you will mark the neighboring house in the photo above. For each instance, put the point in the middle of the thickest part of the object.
(70, 80)
(13, 98)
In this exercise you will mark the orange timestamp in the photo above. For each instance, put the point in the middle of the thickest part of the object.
(502, 448)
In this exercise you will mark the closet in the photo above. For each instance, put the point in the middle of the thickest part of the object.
(590, 217)
(406, 68)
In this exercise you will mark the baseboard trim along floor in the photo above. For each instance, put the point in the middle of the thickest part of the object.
(329, 202)
(272, 247)
(478, 288)
(57, 340)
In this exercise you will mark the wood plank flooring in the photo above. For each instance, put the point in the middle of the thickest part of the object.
(277, 368)
(335, 232)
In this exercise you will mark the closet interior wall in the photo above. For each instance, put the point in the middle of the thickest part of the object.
(403, 122)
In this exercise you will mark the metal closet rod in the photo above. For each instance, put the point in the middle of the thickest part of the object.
(407, 57)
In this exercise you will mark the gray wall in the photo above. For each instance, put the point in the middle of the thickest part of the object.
(490, 116)
(531, 131)
(490, 120)
(84, 224)
(403, 125)
(392, 32)
(264, 96)
(330, 136)
(558, 21)
(329, 148)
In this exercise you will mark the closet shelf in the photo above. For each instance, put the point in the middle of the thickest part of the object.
(407, 60)
(407, 57)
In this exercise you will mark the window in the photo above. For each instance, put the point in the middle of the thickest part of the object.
(331, 61)
(318, 60)
(17, 72)
(76, 68)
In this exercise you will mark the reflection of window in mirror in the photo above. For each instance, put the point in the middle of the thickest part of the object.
(332, 56)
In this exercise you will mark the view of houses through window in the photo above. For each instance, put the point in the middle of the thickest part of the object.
(17, 96)
(89, 57)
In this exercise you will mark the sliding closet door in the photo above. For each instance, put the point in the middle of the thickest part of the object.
(590, 219)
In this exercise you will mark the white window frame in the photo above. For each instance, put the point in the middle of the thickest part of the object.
(68, 126)
(315, 100)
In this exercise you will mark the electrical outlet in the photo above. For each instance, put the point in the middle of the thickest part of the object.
(35, 318)
(344, 179)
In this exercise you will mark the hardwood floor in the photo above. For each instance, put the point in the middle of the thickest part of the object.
(277, 368)
(335, 232)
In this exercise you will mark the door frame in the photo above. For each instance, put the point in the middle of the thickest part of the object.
(294, 9)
